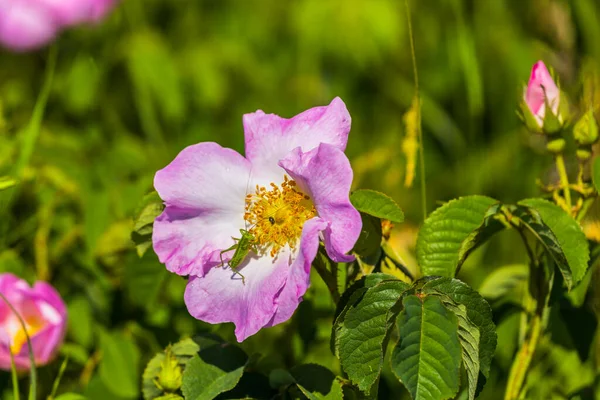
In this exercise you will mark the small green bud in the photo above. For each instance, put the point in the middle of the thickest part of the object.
(556, 146)
(583, 154)
(586, 129)
(170, 376)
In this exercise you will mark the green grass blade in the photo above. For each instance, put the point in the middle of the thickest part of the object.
(61, 372)
(15, 378)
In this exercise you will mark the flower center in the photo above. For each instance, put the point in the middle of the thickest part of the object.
(276, 215)
(33, 324)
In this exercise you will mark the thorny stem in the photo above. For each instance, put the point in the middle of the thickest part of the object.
(420, 131)
(564, 180)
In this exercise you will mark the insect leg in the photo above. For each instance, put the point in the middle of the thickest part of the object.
(225, 251)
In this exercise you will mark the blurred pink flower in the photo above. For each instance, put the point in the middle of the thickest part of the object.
(541, 89)
(29, 24)
(45, 317)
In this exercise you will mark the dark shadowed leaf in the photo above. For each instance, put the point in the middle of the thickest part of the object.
(568, 238)
(216, 369)
(362, 332)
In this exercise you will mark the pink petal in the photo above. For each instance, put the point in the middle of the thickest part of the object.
(67, 12)
(299, 275)
(541, 86)
(270, 138)
(26, 26)
(325, 174)
(220, 296)
(204, 190)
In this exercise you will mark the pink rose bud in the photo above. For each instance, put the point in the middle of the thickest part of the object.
(45, 317)
(541, 92)
(30, 24)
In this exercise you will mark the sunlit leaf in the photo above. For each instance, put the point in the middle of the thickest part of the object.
(428, 355)
(452, 231)
(376, 204)
(503, 280)
(479, 313)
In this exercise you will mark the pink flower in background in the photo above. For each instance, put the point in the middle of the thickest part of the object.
(290, 191)
(541, 89)
(29, 24)
(45, 317)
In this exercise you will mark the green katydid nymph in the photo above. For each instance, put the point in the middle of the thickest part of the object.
(242, 247)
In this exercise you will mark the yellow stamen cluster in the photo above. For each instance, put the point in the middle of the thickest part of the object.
(276, 215)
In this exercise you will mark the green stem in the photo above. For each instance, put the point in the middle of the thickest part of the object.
(564, 180)
(420, 131)
(328, 277)
(15, 378)
(521, 364)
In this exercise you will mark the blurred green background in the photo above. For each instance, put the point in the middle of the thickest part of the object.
(159, 75)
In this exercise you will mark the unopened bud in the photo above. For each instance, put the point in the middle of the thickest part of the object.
(170, 376)
(544, 107)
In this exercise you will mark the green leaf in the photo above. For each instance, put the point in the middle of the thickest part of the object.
(350, 297)
(149, 208)
(216, 369)
(568, 241)
(468, 335)
(143, 279)
(376, 204)
(80, 321)
(317, 382)
(428, 355)
(119, 367)
(479, 313)
(452, 231)
(149, 389)
(504, 280)
(369, 241)
(596, 173)
(280, 378)
(362, 332)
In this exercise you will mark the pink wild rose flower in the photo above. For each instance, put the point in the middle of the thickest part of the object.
(540, 89)
(30, 24)
(289, 191)
(45, 317)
